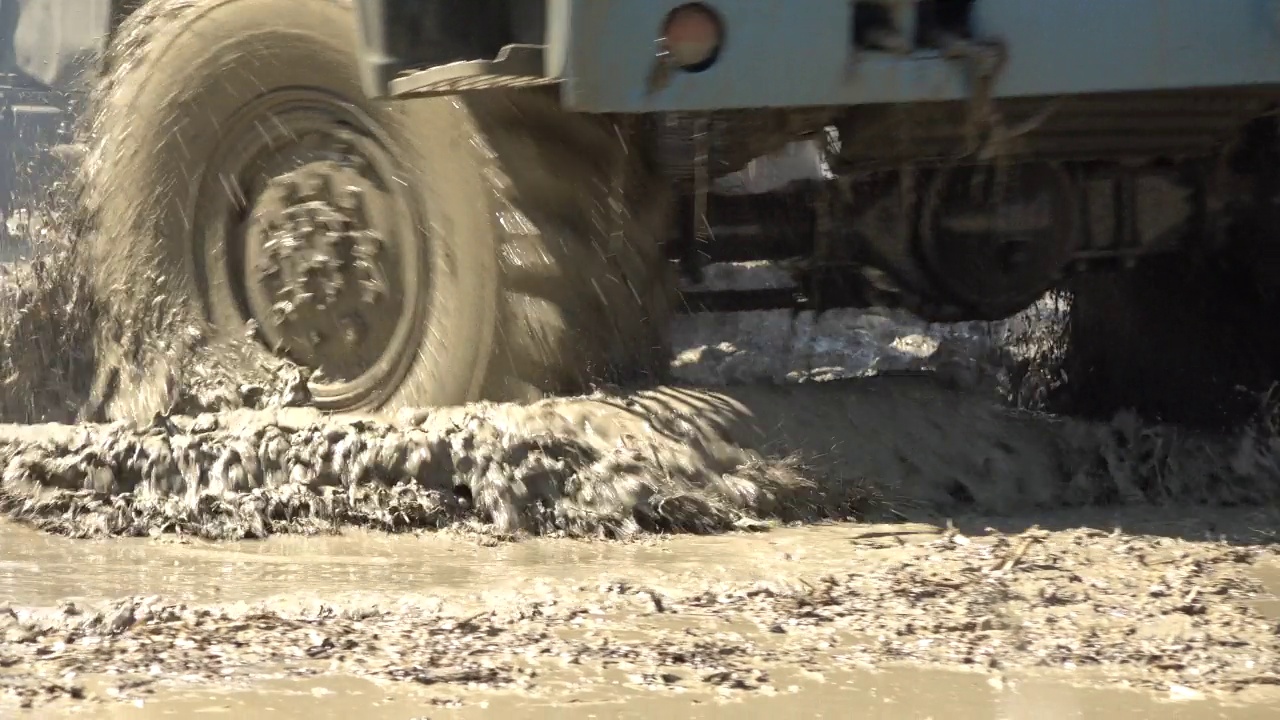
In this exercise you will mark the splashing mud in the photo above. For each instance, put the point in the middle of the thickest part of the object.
(938, 438)
(870, 416)
(67, 352)
(783, 418)
(233, 458)
(656, 461)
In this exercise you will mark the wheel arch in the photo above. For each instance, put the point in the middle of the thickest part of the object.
(396, 36)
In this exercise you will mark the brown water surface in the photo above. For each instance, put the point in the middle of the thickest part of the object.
(42, 570)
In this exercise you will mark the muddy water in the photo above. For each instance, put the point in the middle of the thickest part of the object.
(898, 694)
(1125, 609)
(39, 570)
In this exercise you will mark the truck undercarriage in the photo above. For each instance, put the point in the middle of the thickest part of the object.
(1079, 183)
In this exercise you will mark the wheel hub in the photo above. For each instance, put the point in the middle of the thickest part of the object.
(316, 269)
(995, 238)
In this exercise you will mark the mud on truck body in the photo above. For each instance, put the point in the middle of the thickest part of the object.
(436, 201)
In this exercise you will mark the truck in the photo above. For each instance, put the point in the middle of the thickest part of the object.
(438, 201)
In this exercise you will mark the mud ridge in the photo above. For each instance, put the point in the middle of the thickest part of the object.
(667, 460)
(541, 469)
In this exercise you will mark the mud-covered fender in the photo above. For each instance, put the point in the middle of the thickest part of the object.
(55, 41)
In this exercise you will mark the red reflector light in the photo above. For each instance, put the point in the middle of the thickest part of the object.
(692, 35)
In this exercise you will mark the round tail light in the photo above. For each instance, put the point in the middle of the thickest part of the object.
(692, 36)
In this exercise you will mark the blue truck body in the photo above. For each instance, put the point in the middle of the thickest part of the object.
(786, 53)
(798, 53)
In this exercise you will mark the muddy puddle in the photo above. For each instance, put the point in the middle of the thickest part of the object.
(1074, 615)
(773, 549)
(37, 569)
(894, 694)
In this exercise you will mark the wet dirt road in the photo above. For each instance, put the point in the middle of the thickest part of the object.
(892, 694)
(898, 620)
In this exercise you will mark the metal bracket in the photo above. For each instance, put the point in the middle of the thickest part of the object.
(515, 66)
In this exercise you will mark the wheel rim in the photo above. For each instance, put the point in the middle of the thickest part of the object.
(315, 234)
(995, 238)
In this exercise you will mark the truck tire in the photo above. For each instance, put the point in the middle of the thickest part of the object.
(416, 253)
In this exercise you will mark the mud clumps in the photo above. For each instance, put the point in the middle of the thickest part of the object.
(668, 460)
(588, 469)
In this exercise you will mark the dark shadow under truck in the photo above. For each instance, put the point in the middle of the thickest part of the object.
(437, 201)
